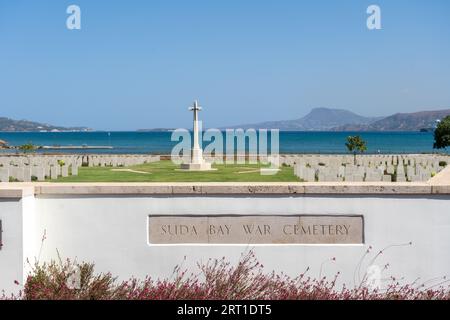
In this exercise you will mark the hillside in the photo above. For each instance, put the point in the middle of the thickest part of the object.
(11, 125)
(319, 119)
(324, 119)
(400, 122)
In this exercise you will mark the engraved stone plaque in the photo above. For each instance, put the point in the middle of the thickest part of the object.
(256, 229)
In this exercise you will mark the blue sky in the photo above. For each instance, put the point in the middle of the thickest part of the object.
(139, 64)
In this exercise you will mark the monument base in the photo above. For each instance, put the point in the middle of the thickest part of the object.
(205, 166)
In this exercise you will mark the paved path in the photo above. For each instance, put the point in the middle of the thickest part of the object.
(442, 177)
(130, 170)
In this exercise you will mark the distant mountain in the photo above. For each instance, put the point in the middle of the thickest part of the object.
(11, 125)
(156, 130)
(319, 119)
(400, 122)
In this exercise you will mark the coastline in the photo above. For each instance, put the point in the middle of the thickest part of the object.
(290, 142)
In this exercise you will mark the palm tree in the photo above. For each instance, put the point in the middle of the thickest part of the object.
(355, 144)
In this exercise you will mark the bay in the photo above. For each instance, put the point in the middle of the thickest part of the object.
(133, 142)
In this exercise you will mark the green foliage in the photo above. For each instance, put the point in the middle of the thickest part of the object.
(442, 134)
(356, 144)
(27, 147)
(61, 163)
(215, 279)
(442, 163)
(53, 281)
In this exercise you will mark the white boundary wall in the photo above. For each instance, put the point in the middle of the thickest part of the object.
(110, 229)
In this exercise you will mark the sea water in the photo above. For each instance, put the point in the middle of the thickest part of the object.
(161, 142)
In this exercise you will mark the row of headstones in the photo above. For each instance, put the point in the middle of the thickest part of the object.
(365, 160)
(37, 160)
(417, 169)
(417, 172)
(24, 168)
(80, 160)
(40, 173)
(343, 173)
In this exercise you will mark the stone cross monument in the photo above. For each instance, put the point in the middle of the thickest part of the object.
(197, 162)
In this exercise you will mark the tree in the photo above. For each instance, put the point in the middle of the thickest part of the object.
(27, 147)
(355, 144)
(442, 134)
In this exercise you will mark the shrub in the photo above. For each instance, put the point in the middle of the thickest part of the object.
(220, 280)
(27, 147)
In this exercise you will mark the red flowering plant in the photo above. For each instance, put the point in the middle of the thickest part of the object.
(216, 279)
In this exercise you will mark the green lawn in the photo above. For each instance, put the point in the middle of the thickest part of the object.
(166, 171)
